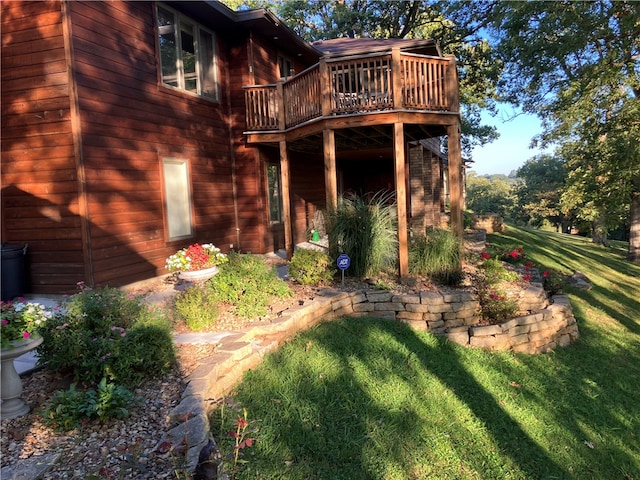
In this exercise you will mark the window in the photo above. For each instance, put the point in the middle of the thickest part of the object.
(177, 198)
(285, 67)
(275, 193)
(187, 54)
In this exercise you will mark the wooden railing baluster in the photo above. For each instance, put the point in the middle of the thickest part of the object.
(356, 84)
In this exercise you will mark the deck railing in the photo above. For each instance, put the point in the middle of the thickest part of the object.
(356, 84)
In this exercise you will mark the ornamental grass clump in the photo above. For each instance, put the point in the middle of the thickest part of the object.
(21, 320)
(195, 257)
(365, 229)
(438, 255)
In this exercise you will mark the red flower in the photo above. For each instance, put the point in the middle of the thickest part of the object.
(545, 274)
(485, 255)
(514, 254)
(526, 278)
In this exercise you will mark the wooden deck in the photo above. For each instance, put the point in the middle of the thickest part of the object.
(384, 82)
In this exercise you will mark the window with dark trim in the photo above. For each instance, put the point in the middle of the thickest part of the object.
(275, 193)
(187, 54)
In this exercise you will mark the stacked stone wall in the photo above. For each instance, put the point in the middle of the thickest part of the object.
(546, 325)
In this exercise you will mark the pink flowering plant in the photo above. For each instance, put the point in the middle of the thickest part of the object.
(195, 257)
(21, 320)
(107, 333)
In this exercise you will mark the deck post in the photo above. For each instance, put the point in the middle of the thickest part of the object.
(401, 198)
(330, 174)
(455, 180)
(396, 71)
(325, 88)
(286, 198)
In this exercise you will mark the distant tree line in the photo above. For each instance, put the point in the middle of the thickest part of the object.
(536, 195)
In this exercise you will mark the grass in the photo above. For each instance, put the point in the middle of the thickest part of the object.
(373, 399)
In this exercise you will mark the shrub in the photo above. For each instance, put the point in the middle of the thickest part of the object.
(310, 267)
(248, 284)
(67, 409)
(105, 333)
(553, 281)
(365, 229)
(438, 255)
(510, 254)
(468, 219)
(496, 305)
(496, 272)
(197, 306)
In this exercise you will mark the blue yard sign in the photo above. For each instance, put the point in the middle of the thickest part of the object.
(343, 261)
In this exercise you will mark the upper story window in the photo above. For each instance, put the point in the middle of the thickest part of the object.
(187, 54)
(285, 67)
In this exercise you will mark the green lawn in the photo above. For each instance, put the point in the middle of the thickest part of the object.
(373, 399)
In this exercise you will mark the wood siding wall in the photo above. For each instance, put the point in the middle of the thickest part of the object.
(129, 124)
(256, 233)
(39, 181)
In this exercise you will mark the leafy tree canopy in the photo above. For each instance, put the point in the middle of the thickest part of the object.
(577, 65)
(538, 194)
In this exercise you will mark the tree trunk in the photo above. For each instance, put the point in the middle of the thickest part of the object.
(634, 235)
(599, 232)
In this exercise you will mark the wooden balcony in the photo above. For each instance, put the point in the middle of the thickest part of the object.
(362, 84)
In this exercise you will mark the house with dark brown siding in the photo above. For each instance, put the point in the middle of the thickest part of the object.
(133, 129)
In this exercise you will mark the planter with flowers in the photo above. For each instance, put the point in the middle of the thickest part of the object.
(20, 322)
(196, 262)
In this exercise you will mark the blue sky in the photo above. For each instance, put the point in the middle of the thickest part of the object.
(511, 150)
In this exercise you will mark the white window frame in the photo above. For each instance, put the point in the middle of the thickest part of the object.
(177, 198)
(202, 78)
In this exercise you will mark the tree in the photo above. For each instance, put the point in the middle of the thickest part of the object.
(577, 65)
(538, 194)
(485, 196)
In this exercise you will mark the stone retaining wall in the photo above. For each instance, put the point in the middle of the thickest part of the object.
(455, 316)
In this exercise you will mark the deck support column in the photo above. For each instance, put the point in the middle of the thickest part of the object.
(330, 173)
(455, 180)
(401, 198)
(286, 198)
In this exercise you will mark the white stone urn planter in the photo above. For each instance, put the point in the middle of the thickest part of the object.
(11, 386)
(199, 275)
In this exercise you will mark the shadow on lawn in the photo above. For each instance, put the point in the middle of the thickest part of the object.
(332, 424)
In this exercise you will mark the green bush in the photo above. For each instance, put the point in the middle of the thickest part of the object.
(496, 305)
(310, 267)
(554, 281)
(68, 409)
(496, 272)
(197, 306)
(248, 284)
(365, 229)
(468, 219)
(438, 255)
(106, 333)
